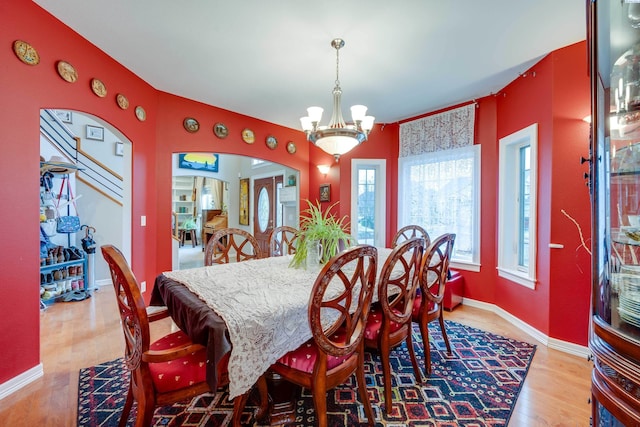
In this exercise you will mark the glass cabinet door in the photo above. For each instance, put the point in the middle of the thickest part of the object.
(617, 167)
(614, 40)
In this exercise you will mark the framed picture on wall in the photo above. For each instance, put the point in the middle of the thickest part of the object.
(95, 132)
(64, 116)
(119, 149)
(325, 192)
(199, 161)
(244, 201)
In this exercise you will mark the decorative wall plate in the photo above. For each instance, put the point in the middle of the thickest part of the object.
(248, 136)
(220, 130)
(26, 53)
(98, 88)
(271, 142)
(67, 72)
(291, 147)
(122, 101)
(141, 114)
(191, 124)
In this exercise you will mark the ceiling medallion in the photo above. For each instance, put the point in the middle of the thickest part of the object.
(337, 137)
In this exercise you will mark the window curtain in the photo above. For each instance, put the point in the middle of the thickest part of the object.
(444, 131)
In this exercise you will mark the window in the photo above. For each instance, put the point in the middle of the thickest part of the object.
(517, 207)
(367, 204)
(440, 191)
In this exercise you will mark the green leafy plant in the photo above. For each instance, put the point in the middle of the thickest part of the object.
(316, 225)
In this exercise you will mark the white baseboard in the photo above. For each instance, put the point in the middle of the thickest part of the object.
(17, 382)
(103, 282)
(556, 344)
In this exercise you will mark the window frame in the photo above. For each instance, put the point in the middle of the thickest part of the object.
(404, 165)
(509, 189)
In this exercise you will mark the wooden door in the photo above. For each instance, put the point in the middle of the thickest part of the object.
(264, 210)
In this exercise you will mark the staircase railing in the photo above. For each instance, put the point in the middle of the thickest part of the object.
(92, 172)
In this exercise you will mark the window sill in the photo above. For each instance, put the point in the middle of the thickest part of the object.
(517, 277)
(462, 265)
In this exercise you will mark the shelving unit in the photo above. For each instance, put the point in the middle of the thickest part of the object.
(63, 271)
(182, 203)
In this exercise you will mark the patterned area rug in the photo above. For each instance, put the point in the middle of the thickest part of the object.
(477, 386)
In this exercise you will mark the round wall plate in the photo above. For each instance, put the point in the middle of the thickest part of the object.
(141, 114)
(122, 101)
(67, 72)
(248, 136)
(191, 124)
(98, 88)
(220, 130)
(26, 53)
(291, 147)
(271, 142)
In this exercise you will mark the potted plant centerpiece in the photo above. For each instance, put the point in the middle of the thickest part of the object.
(320, 228)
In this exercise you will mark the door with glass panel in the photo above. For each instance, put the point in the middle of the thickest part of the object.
(265, 210)
(368, 219)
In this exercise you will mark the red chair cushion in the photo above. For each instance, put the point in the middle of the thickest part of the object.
(374, 323)
(416, 306)
(304, 357)
(179, 373)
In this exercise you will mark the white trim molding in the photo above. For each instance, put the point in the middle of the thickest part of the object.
(553, 343)
(21, 380)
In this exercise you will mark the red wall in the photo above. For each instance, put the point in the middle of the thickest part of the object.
(554, 94)
(560, 298)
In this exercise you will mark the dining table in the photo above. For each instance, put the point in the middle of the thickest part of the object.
(255, 310)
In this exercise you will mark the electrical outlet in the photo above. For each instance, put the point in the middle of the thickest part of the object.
(143, 286)
(143, 221)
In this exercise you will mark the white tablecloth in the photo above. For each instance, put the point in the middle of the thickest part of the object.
(264, 304)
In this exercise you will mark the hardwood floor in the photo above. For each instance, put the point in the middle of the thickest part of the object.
(75, 335)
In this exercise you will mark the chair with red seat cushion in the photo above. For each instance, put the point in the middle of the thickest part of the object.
(389, 323)
(282, 241)
(427, 306)
(409, 232)
(166, 371)
(229, 243)
(338, 309)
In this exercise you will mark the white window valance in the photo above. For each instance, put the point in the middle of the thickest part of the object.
(444, 131)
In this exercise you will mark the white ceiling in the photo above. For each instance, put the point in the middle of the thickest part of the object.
(273, 59)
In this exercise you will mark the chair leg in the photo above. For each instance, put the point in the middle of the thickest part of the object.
(386, 375)
(412, 353)
(320, 404)
(424, 332)
(127, 406)
(263, 411)
(444, 331)
(238, 406)
(362, 388)
(145, 414)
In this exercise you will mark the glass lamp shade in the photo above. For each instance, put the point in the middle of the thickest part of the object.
(315, 113)
(358, 112)
(367, 123)
(306, 123)
(337, 145)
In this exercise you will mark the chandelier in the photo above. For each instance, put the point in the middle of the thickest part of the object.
(337, 137)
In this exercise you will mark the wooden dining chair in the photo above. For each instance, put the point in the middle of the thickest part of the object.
(282, 241)
(342, 292)
(389, 323)
(427, 306)
(409, 232)
(231, 245)
(165, 371)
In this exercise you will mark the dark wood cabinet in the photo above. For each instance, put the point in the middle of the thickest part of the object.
(614, 53)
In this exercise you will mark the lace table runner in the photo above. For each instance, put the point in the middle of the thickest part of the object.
(264, 304)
